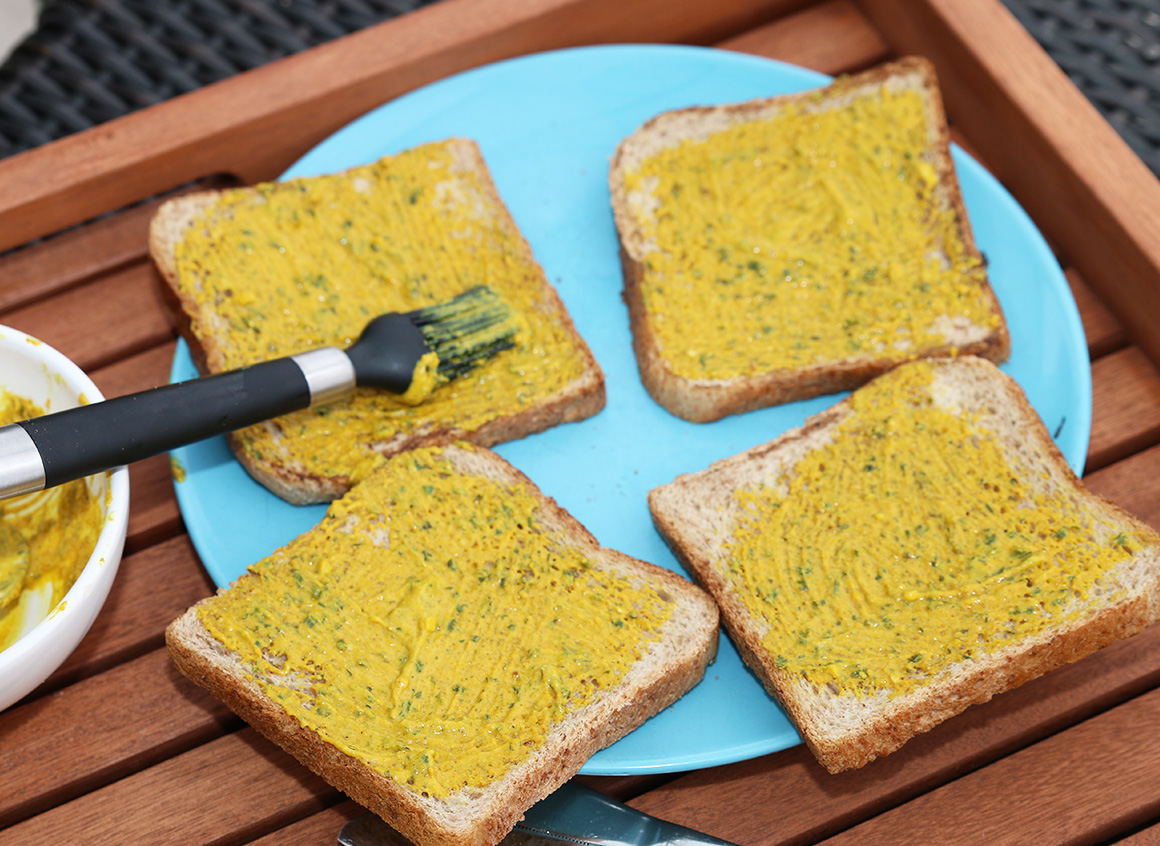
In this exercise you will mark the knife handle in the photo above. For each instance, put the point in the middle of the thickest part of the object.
(579, 814)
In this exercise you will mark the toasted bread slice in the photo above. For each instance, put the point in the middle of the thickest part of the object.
(782, 248)
(279, 268)
(439, 583)
(925, 547)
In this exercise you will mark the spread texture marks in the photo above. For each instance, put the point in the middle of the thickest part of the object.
(448, 645)
(782, 248)
(803, 238)
(909, 543)
(916, 548)
(431, 627)
(286, 267)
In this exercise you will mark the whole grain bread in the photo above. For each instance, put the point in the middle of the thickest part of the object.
(699, 398)
(669, 665)
(384, 424)
(699, 514)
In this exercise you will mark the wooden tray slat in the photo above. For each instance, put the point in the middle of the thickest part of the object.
(92, 733)
(258, 123)
(1084, 785)
(96, 324)
(1133, 484)
(851, 43)
(1125, 406)
(153, 511)
(322, 827)
(1147, 837)
(1103, 331)
(231, 790)
(788, 798)
(152, 588)
(1080, 182)
(147, 369)
(62, 261)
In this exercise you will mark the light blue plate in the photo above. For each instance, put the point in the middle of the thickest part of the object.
(548, 125)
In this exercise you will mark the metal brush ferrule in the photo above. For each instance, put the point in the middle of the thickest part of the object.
(329, 373)
(21, 467)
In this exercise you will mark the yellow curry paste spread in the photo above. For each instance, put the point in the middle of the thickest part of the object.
(803, 238)
(308, 262)
(60, 526)
(429, 626)
(908, 543)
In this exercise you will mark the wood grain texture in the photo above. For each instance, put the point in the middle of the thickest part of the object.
(71, 257)
(1103, 332)
(1133, 484)
(788, 798)
(852, 44)
(1081, 786)
(95, 732)
(1081, 183)
(101, 322)
(230, 790)
(1125, 406)
(140, 372)
(153, 587)
(322, 827)
(154, 515)
(264, 119)
(1147, 837)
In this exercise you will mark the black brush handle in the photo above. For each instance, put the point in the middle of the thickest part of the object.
(92, 438)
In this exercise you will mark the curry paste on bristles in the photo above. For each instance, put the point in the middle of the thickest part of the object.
(290, 266)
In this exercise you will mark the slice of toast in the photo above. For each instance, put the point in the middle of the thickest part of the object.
(451, 645)
(280, 268)
(919, 547)
(798, 245)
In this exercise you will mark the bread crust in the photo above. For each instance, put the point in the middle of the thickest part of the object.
(705, 400)
(582, 398)
(679, 511)
(673, 665)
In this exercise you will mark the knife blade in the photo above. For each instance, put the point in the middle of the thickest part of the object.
(573, 814)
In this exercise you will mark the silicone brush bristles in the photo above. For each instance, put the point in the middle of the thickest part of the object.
(467, 330)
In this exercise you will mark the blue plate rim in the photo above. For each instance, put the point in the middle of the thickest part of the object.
(1080, 425)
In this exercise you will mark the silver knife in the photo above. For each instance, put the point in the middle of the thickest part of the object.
(573, 814)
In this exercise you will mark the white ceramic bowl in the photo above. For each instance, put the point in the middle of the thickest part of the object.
(36, 371)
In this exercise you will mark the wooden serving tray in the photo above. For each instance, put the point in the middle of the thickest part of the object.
(117, 748)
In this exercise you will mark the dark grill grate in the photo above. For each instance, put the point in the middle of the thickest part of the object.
(90, 61)
(1111, 50)
(93, 60)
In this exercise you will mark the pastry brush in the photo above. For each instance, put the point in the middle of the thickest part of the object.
(407, 354)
